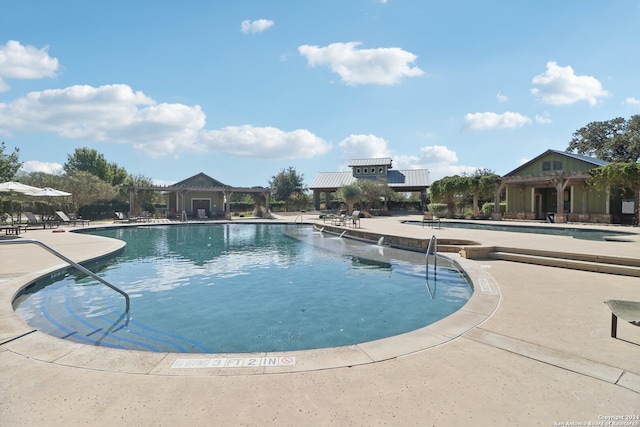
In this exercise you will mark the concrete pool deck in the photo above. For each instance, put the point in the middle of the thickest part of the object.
(534, 350)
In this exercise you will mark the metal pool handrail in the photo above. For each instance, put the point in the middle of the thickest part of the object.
(431, 249)
(73, 264)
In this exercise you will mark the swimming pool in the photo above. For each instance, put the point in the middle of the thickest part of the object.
(242, 288)
(577, 233)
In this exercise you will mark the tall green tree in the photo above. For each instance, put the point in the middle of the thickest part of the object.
(286, 183)
(86, 188)
(618, 175)
(616, 140)
(9, 163)
(89, 160)
(481, 184)
(449, 190)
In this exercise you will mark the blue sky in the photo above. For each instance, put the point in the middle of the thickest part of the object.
(242, 89)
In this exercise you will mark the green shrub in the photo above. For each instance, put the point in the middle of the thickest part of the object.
(438, 210)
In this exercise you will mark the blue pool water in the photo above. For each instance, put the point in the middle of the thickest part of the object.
(239, 288)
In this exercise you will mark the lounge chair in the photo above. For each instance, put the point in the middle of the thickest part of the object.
(64, 219)
(145, 216)
(76, 219)
(71, 219)
(626, 310)
(202, 214)
(121, 217)
(33, 221)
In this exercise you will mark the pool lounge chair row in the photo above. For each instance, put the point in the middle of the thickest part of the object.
(122, 217)
(45, 222)
(71, 219)
(352, 220)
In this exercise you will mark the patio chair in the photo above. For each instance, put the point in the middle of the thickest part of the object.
(63, 218)
(35, 222)
(626, 310)
(145, 216)
(121, 217)
(71, 219)
(76, 219)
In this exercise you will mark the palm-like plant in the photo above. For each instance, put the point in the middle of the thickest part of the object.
(350, 195)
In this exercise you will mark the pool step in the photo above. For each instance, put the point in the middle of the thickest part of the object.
(586, 262)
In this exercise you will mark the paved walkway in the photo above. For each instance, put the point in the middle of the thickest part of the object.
(543, 356)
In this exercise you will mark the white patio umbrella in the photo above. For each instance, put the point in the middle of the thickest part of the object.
(17, 187)
(49, 192)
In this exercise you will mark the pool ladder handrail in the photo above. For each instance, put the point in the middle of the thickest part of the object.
(73, 264)
(295, 221)
(432, 248)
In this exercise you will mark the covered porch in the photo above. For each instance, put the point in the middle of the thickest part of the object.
(554, 197)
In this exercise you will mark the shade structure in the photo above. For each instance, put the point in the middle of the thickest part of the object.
(49, 192)
(17, 187)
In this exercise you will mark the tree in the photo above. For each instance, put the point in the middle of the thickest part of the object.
(618, 175)
(87, 188)
(373, 192)
(449, 190)
(286, 183)
(481, 184)
(89, 160)
(350, 195)
(9, 163)
(616, 140)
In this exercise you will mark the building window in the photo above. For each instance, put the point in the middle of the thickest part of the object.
(380, 170)
(546, 166)
(365, 170)
(557, 165)
(358, 171)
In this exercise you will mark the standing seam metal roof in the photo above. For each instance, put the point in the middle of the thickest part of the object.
(395, 178)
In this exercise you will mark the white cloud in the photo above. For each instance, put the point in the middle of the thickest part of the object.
(384, 66)
(632, 101)
(258, 26)
(501, 97)
(364, 147)
(24, 62)
(115, 113)
(490, 120)
(543, 118)
(560, 86)
(439, 160)
(264, 142)
(438, 154)
(46, 167)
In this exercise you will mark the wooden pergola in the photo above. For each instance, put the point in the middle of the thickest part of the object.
(182, 190)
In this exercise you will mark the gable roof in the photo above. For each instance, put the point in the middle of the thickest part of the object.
(412, 179)
(200, 180)
(589, 160)
(384, 161)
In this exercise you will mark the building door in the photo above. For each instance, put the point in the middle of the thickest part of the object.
(538, 208)
(201, 208)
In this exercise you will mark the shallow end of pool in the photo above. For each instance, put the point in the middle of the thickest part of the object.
(46, 348)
